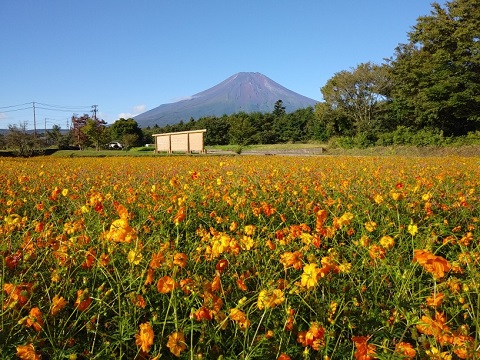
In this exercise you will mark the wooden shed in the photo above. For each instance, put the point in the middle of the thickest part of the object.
(182, 141)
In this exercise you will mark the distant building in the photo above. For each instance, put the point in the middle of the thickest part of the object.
(182, 141)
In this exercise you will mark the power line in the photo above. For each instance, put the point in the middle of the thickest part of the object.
(64, 106)
(10, 106)
(6, 111)
(64, 110)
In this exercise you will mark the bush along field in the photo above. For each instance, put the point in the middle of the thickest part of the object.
(240, 257)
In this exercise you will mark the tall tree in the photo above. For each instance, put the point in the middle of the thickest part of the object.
(358, 95)
(123, 127)
(96, 132)
(79, 138)
(437, 74)
(19, 139)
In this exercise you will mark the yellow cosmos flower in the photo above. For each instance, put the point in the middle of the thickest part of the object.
(412, 229)
(387, 242)
(134, 257)
(270, 299)
(249, 230)
(370, 226)
(378, 198)
(310, 276)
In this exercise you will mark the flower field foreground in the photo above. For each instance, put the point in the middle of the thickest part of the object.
(240, 257)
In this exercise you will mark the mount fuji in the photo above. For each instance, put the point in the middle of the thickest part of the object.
(243, 92)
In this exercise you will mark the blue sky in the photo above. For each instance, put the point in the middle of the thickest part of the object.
(131, 56)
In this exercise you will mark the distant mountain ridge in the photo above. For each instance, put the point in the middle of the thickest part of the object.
(243, 92)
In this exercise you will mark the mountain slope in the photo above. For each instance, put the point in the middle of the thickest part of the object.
(246, 91)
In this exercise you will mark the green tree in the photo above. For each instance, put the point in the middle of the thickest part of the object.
(278, 109)
(217, 129)
(128, 141)
(20, 140)
(331, 122)
(123, 127)
(357, 96)
(241, 129)
(56, 137)
(437, 74)
(96, 132)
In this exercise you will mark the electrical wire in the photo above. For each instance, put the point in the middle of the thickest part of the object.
(6, 111)
(10, 106)
(63, 107)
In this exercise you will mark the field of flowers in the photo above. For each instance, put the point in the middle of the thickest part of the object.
(240, 257)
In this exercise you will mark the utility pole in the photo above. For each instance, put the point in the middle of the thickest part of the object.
(94, 107)
(34, 121)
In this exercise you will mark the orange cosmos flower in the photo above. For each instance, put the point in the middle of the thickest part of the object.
(464, 346)
(89, 259)
(435, 300)
(121, 211)
(138, 300)
(314, 337)
(435, 327)
(433, 264)
(165, 284)
(34, 319)
(180, 216)
(284, 356)
(364, 351)
(176, 343)
(180, 259)
(150, 276)
(310, 276)
(17, 294)
(121, 231)
(406, 350)
(241, 284)
(221, 266)
(292, 259)
(320, 220)
(27, 352)
(13, 260)
(157, 260)
(186, 285)
(58, 303)
(104, 260)
(83, 300)
(376, 252)
(144, 338)
(203, 314)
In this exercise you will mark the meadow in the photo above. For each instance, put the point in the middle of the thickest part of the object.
(249, 257)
